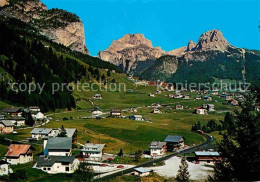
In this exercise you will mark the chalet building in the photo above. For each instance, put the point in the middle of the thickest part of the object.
(233, 102)
(179, 106)
(115, 113)
(156, 111)
(207, 98)
(178, 96)
(93, 152)
(198, 97)
(19, 154)
(201, 111)
(6, 127)
(158, 92)
(210, 107)
(170, 95)
(96, 111)
(13, 111)
(173, 142)
(39, 133)
(136, 117)
(97, 96)
(70, 133)
(133, 109)
(5, 168)
(17, 120)
(186, 96)
(37, 115)
(207, 156)
(140, 171)
(157, 148)
(155, 105)
(34, 109)
(151, 95)
(227, 97)
(57, 146)
(57, 164)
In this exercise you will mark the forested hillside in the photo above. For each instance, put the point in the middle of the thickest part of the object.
(27, 57)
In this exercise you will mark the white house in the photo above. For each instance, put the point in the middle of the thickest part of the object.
(97, 96)
(19, 154)
(35, 108)
(157, 148)
(151, 95)
(115, 112)
(5, 168)
(156, 111)
(38, 133)
(137, 117)
(96, 111)
(201, 111)
(179, 106)
(36, 115)
(57, 146)
(93, 152)
(142, 171)
(57, 164)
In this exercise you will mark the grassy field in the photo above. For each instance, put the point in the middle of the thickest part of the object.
(131, 135)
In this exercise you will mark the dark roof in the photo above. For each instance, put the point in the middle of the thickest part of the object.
(11, 110)
(43, 131)
(173, 138)
(6, 123)
(48, 161)
(3, 162)
(96, 108)
(59, 143)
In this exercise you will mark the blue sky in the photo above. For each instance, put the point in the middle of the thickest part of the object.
(169, 24)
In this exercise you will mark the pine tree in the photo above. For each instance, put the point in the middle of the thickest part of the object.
(120, 154)
(84, 173)
(183, 173)
(241, 151)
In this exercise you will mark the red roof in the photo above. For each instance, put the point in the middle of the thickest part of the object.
(15, 150)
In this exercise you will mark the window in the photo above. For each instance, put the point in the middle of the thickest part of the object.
(44, 168)
(49, 168)
(67, 169)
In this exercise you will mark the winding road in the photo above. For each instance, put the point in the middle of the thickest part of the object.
(107, 176)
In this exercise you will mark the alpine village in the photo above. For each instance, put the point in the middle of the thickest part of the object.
(122, 115)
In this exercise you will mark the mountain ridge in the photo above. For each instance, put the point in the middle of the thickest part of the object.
(58, 25)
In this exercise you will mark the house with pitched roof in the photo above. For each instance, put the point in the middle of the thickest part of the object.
(6, 127)
(93, 152)
(141, 171)
(57, 146)
(96, 111)
(39, 133)
(157, 148)
(115, 113)
(57, 164)
(207, 156)
(34, 108)
(173, 142)
(13, 111)
(19, 154)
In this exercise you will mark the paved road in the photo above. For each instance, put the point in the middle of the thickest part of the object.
(209, 139)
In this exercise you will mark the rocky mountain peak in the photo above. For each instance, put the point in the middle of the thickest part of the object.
(129, 49)
(58, 25)
(3, 3)
(212, 40)
(191, 46)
